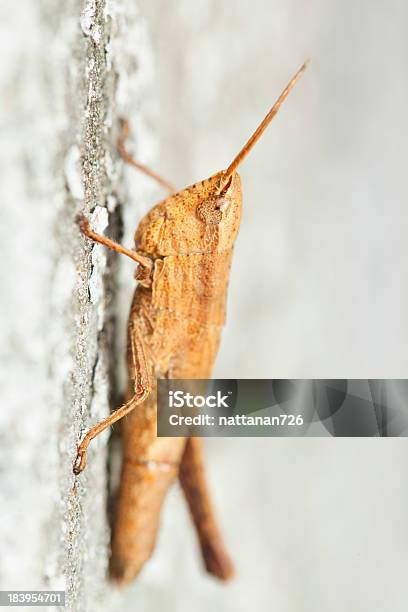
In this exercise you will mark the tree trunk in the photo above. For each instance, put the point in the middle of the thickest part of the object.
(80, 65)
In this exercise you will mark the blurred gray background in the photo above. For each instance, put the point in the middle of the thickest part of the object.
(317, 288)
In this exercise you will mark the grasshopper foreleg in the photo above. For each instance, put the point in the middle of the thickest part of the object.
(129, 159)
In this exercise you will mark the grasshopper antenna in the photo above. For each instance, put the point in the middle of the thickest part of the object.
(264, 124)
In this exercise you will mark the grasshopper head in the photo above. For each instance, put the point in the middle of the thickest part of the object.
(203, 218)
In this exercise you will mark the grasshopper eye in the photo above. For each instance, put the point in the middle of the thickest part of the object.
(210, 211)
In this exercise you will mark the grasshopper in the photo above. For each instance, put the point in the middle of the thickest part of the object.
(183, 253)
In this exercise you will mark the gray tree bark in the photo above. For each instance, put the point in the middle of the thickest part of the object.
(80, 66)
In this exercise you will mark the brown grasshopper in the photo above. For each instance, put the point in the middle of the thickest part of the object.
(183, 251)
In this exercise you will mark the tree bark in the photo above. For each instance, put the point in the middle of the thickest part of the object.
(81, 65)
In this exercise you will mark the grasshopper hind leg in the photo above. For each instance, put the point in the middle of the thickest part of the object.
(194, 485)
(142, 389)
